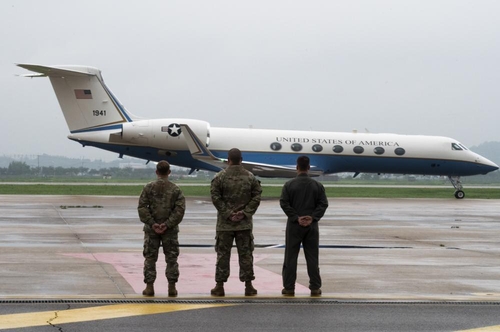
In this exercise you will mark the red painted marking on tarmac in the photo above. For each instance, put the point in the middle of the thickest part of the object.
(197, 273)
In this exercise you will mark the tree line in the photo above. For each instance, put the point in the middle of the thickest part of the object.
(20, 169)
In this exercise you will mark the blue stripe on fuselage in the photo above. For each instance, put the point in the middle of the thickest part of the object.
(363, 164)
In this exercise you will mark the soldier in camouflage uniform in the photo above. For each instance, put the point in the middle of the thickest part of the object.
(236, 196)
(161, 209)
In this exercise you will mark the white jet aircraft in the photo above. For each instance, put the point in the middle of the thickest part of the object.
(96, 118)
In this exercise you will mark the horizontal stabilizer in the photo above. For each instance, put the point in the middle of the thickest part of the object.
(32, 75)
(59, 71)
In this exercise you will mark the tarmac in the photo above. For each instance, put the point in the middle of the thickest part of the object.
(90, 247)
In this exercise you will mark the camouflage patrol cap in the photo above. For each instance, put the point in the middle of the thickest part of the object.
(163, 167)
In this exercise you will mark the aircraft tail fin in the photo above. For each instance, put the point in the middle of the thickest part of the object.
(86, 102)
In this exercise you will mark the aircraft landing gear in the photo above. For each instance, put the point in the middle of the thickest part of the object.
(455, 181)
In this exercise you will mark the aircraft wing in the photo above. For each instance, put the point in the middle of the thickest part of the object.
(275, 171)
(199, 151)
(270, 171)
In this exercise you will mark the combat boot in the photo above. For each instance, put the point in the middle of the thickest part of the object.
(288, 292)
(316, 292)
(249, 289)
(149, 290)
(218, 290)
(172, 291)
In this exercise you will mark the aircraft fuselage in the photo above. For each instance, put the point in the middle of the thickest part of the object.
(330, 152)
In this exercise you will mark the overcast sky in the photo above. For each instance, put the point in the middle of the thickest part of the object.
(405, 67)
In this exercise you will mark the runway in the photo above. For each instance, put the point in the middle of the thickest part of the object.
(89, 248)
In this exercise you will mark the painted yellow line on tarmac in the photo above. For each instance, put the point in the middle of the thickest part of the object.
(495, 328)
(58, 317)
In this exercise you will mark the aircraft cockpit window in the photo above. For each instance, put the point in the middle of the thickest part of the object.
(358, 149)
(463, 147)
(275, 146)
(379, 150)
(296, 147)
(399, 151)
(317, 148)
(456, 147)
(338, 149)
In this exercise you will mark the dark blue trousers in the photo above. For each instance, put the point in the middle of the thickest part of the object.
(309, 238)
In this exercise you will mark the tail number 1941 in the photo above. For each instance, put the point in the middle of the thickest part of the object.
(99, 112)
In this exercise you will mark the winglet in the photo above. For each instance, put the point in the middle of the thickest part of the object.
(198, 149)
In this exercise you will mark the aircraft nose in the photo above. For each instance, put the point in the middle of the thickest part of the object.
(486, 164)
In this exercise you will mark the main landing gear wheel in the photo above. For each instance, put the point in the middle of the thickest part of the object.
(455, 181)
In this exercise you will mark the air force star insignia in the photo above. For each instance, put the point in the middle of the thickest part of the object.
(174, 130)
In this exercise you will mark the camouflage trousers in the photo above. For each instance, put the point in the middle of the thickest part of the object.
(244, 244)
(170, 243)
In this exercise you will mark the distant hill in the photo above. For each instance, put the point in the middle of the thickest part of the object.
(490, 150)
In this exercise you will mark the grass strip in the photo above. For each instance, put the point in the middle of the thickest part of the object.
(267, 191)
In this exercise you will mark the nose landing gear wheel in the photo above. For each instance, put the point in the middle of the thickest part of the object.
(455, 181)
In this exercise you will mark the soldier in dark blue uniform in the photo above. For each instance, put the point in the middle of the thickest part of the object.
(161, 209)
(236, 196)
(304, 201)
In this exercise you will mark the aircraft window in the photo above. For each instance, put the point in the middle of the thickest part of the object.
(296, 147)
(164, 129)
(399, 151)
(455, 146)
(338, 149)
(463, 147)
(317, 148)
(275, 146)
(379, 150)
(358, 149)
